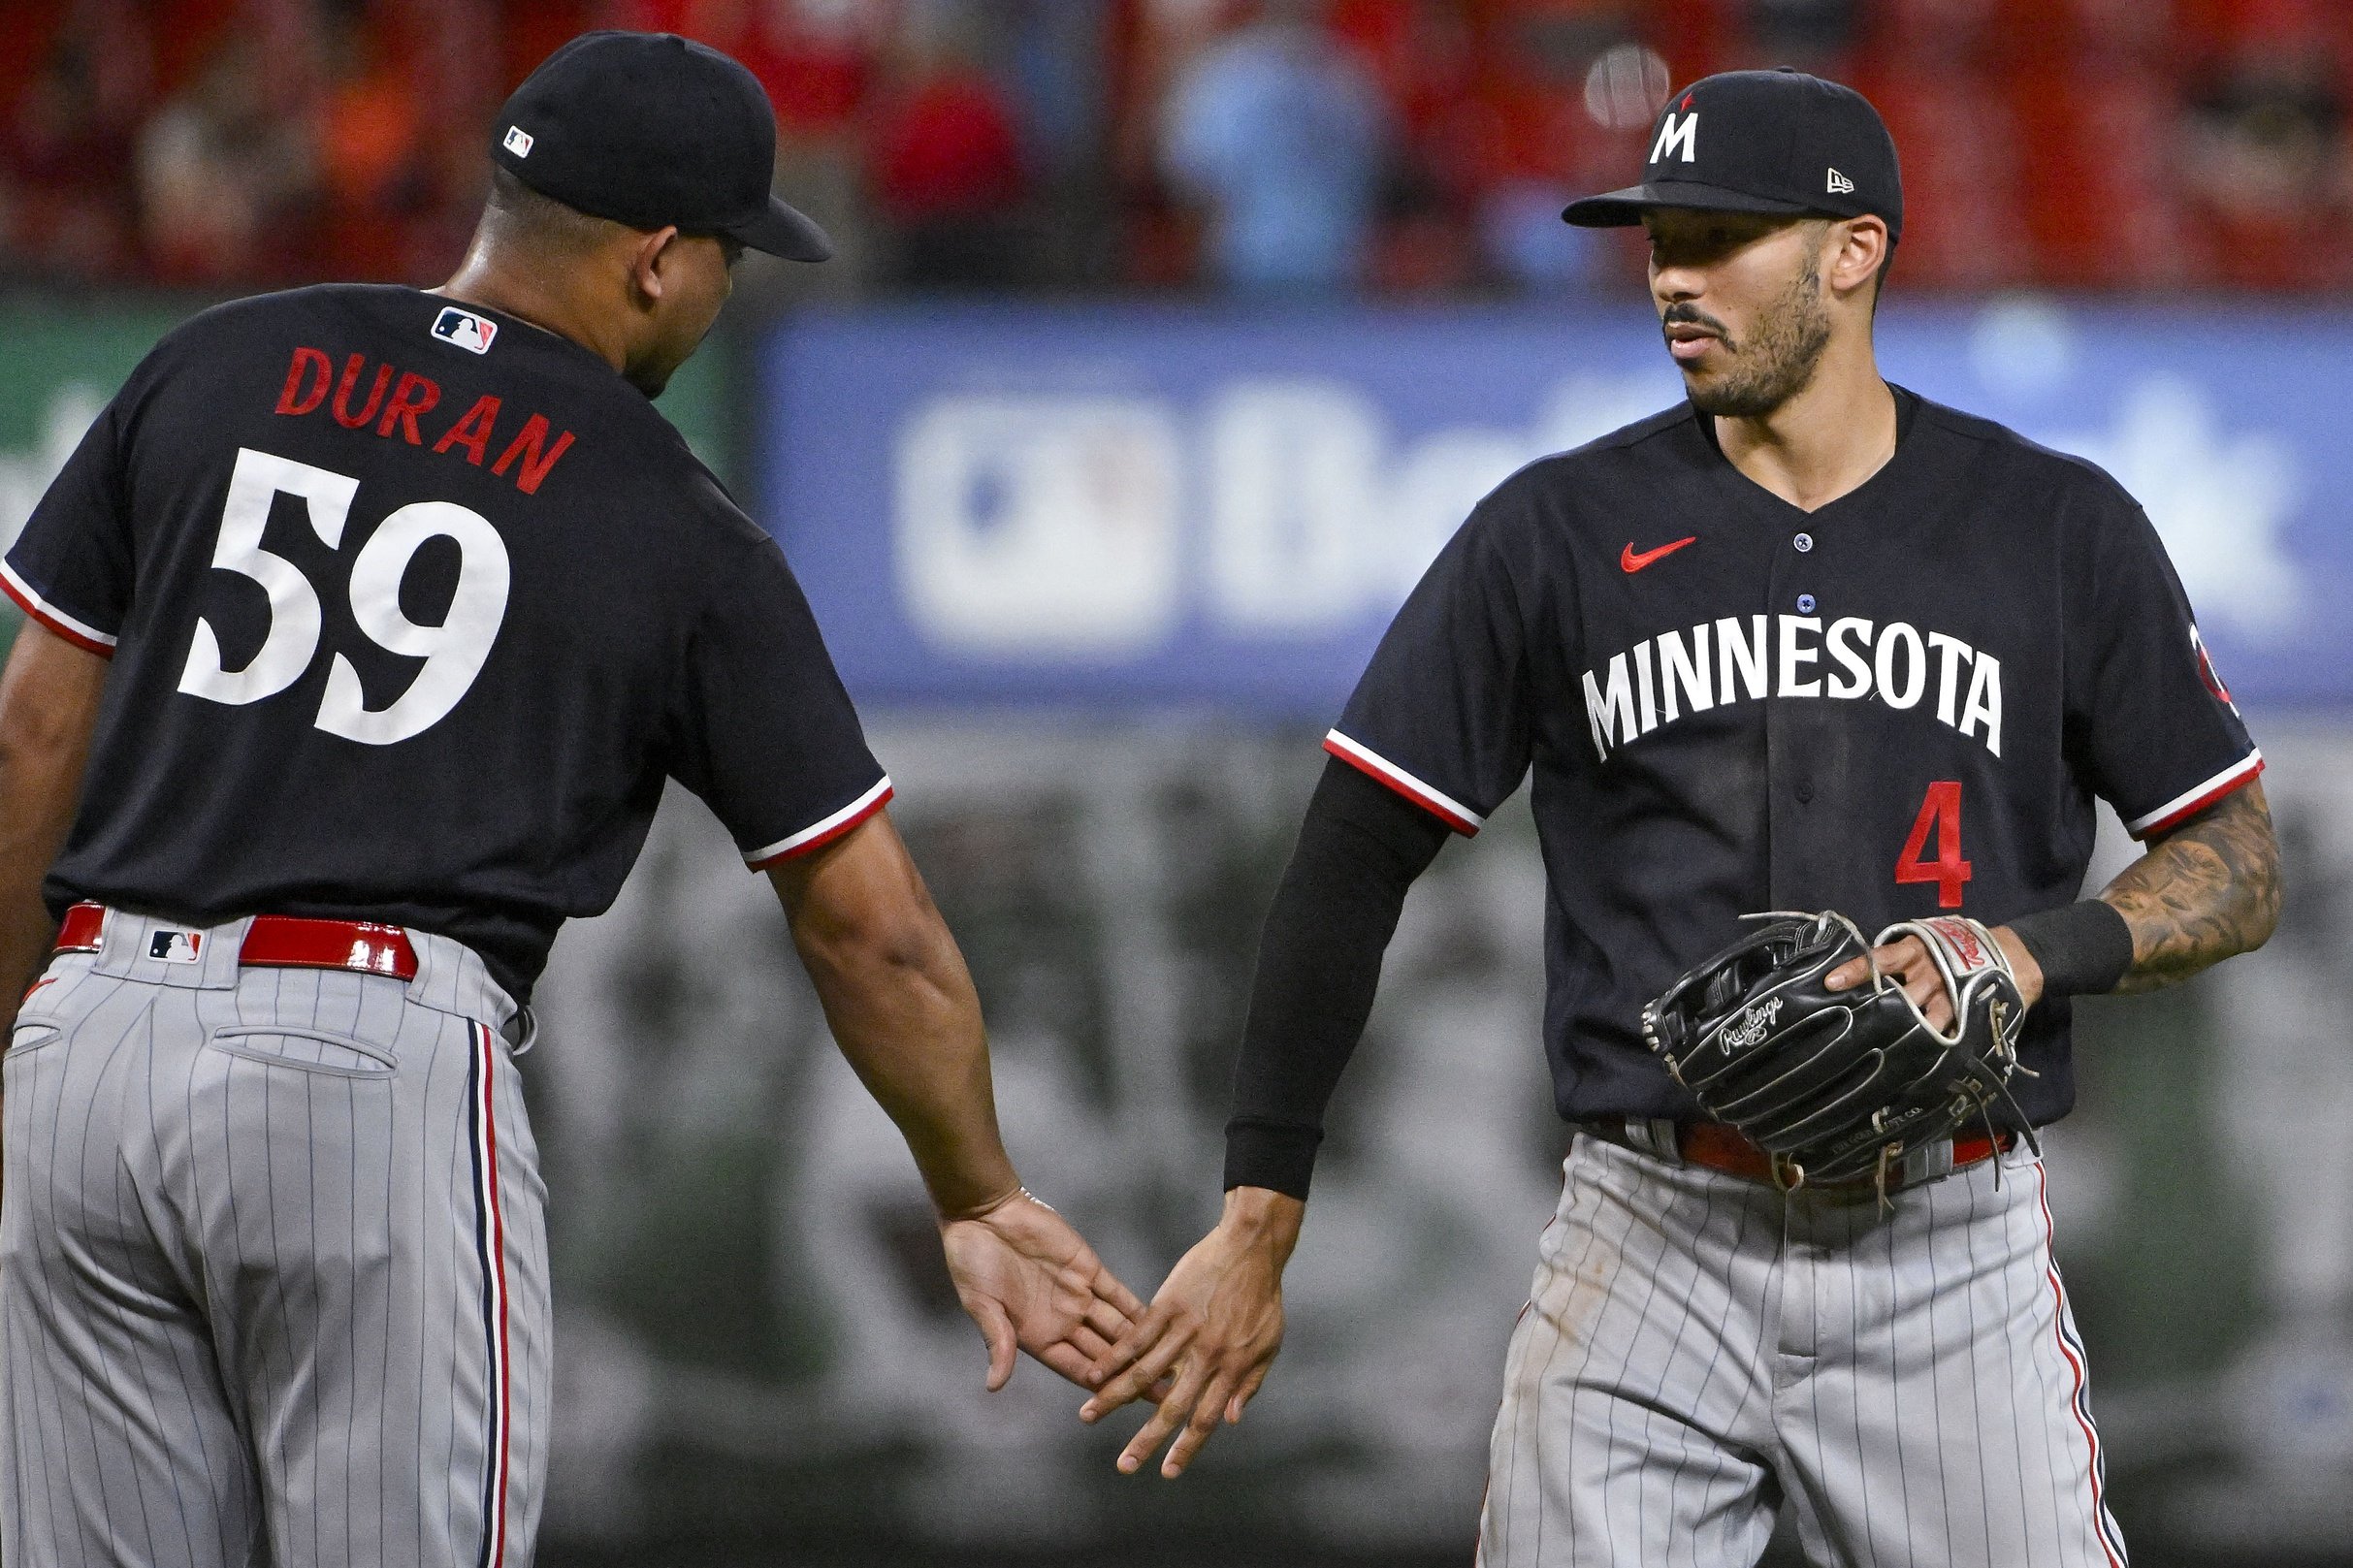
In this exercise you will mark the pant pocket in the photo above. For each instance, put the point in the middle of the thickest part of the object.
(306, 1050)
(32, 1035)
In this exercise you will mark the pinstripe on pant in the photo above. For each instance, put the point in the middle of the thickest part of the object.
(261, 1297)
(1699, 1350)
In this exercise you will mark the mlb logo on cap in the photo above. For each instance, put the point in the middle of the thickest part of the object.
(465, 329)
(176, 946)
(518, 141)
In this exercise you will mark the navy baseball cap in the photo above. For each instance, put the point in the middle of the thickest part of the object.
(651, 129)
(1762, 142)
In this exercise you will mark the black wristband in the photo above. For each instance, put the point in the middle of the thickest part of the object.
(1282, 1158)
(2083, 948)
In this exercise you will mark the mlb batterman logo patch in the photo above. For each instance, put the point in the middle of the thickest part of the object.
(518, 141)
(469, 332)
(176, 946)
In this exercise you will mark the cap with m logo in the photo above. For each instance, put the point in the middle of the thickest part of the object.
(1762, 142)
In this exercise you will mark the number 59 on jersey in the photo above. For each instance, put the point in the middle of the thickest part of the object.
(453, 652)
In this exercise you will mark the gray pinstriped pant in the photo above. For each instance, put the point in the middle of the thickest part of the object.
(273, 1266)
(1697, 1348)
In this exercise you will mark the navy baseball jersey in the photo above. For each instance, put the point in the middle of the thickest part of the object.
(1899, 704)
(412, 608)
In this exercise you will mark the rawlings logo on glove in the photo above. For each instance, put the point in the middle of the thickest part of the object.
(1842, 1085)
(1749, 1029)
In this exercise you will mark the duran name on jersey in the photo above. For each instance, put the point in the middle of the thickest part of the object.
(412, 609)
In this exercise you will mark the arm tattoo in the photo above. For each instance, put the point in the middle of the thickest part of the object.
(2203, 892)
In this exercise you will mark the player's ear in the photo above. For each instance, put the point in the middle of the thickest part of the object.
(651, 262)
(1860, 244)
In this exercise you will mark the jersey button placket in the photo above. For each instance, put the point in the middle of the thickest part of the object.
(1789, 755)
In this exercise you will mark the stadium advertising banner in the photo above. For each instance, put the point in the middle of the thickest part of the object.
(1113, 506)
(63, 364)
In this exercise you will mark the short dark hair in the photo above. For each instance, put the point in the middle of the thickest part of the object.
(518, 214)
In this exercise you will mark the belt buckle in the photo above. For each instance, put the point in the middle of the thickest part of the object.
(1656, 1136)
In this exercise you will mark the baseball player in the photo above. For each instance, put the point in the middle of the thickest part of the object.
(1807, 641)
(366, 625)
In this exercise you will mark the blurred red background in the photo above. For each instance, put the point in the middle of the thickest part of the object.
(2140, 144)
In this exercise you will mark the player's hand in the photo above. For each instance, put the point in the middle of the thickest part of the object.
(1906, 963)
(1206, 1343)
(1032, 1282)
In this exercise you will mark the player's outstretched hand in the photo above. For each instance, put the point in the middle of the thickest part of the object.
(1206, 1343)
(1906, 963)
(1030, 1281)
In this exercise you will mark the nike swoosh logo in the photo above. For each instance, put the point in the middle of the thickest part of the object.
(1633, 563)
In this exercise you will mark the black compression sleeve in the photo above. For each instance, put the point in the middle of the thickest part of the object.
(1319, 962)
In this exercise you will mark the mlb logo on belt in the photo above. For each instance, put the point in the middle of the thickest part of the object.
(176, 946)
(465, 329)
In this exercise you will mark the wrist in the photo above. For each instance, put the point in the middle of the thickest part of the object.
(2083, 949)
(977, 1200)
(1263, 1219)
(2024, 967)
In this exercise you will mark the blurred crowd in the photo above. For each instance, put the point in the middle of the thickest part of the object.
(1254, 147)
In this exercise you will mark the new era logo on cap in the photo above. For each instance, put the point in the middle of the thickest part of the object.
(1840, 184)
(518, 141)
(465, 329)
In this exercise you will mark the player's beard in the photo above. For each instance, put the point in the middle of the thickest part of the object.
(1780, 357)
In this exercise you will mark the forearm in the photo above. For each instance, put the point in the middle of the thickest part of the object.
(26, 930)
(1319, 966)
(48, 701)
(29, 836)
(902, 1007)
(2206, 891)
(908, 1020)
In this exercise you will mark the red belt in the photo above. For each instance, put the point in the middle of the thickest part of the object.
(1723, 1149)
(280, 942)
(1718, 1147)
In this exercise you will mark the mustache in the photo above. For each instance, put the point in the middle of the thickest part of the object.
(1683, 313)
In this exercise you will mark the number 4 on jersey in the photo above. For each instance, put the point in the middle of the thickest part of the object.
(1940, 814)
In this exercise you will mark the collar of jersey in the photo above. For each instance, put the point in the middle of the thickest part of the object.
(535, 333)
(1907, 422)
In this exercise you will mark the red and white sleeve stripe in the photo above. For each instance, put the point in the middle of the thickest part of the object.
(2198, 797)
(79, 635)
(817, 835)
(1446, 808)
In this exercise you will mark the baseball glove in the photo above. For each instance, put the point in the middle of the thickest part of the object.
(1842, 1085)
